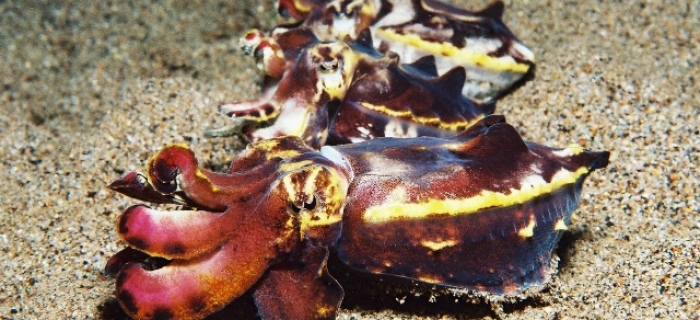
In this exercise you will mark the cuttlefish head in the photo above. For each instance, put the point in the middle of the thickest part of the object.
(279, 198)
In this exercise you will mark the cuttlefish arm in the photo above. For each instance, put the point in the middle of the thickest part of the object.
(276, 56)
(302, 290)
(275, 53)
(282, 198)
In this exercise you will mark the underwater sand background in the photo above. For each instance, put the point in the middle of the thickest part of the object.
(91, 90)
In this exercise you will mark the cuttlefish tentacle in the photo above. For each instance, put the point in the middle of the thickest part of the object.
(136, 185)
(175, 169)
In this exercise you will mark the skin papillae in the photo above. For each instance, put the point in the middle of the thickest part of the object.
(495, 60)
(341, 92)
(482, 210)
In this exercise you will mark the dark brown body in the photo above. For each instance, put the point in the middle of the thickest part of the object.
(499, 249)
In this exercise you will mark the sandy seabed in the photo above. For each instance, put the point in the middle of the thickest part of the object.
(91, 89)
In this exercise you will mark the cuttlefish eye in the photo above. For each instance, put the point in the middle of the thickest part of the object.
(308, 205)
(329, 56)
(329, 66)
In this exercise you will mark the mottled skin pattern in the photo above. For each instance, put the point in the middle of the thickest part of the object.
(482, 210)
(341, 92)
(496, 61)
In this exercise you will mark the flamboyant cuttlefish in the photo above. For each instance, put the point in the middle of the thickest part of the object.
(341, 92)
(482, 210)
(479, 41)
(326, 83)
